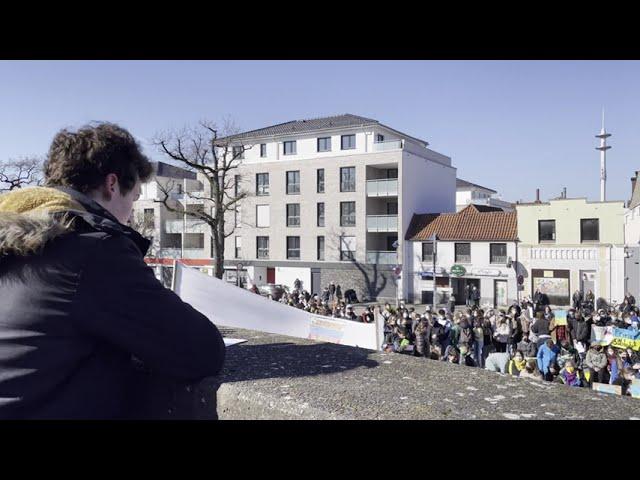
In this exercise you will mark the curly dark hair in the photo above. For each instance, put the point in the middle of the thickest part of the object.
(81, 160)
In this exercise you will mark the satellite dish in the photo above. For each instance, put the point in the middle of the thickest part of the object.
(395, 244)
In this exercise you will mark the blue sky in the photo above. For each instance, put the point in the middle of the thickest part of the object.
(511, 126)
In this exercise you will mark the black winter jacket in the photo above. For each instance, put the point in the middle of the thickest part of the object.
(86, 329)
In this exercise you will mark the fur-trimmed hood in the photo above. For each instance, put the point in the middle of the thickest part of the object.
(31, 217)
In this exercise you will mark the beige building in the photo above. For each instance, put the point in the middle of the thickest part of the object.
(568, 244)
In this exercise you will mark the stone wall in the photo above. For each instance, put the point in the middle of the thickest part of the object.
(371, 282)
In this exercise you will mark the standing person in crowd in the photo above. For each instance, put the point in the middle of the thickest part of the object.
(478, 341)
(423, 335)
(558, 332)
(452, 303)
(367, 315)
(502, 334)
(547, 355)
(614, 365)
(590, 299)
(297, 284)
(468, 295)
(332, 292)
(577, 299)
(475, 296)
(338, 292)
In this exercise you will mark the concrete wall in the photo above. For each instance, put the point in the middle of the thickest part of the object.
(427, 187)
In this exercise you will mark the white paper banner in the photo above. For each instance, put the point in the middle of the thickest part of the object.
(228, 305)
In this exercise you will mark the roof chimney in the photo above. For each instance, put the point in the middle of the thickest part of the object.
(633, 183)
(537, 195)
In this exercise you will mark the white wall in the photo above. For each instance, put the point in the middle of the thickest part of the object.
(426, 187)
(287, 276)
(632, 226)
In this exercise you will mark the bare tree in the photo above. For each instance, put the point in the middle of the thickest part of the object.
(18, 173)
(215, 155)
(373, 281)
(145, 226)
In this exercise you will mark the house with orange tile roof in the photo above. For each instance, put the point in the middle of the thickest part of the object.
(475, 247)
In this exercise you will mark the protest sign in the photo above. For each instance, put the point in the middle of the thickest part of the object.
(560, 317)
(601, 335)
(228, 305)
(623, 338)
(634, 388)
(606, 388)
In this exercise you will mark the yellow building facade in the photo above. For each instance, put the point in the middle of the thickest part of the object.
(571, 244)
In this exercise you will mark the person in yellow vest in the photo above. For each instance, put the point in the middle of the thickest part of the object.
(517, 364)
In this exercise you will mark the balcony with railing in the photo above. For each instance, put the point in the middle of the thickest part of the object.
(382, 223)
(385, 187)
(188, 226)
(387, 145)
(379, 257)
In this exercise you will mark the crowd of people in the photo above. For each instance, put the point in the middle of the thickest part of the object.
(331, 303)
(524, 341)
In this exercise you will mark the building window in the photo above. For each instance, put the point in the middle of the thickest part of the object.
(589, 230)
(427, 252)
(347, 214)
(320, 180)
(263, 150)
(348, 179)
(236, 184)
(320, 248)
(463, 252)
(347, 248)
(238, 246)
(237, 215)
(293, 215)
(262, 184)
(293, 248)
(546, 230)
(392, 173)
(238, 153)
(379, 138)
(293, 182)
(290, 148)
(262, 247)
(321, 214)
(348, 142)
(263, 219)
(498, 252)
(324, 144)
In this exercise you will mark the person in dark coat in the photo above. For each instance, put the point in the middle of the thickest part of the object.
(86, 329)
(577, 299)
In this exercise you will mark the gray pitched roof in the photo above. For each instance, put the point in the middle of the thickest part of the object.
(463, 183)
(312, 125)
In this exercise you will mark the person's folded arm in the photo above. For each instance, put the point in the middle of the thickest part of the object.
(121, 301)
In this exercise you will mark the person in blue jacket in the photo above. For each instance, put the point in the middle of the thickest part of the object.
(547, 355)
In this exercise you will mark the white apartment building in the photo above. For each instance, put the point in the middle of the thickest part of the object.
(475, 247)
(468, 193)
(328, 197)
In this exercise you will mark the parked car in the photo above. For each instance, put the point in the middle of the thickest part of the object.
(273, 291)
